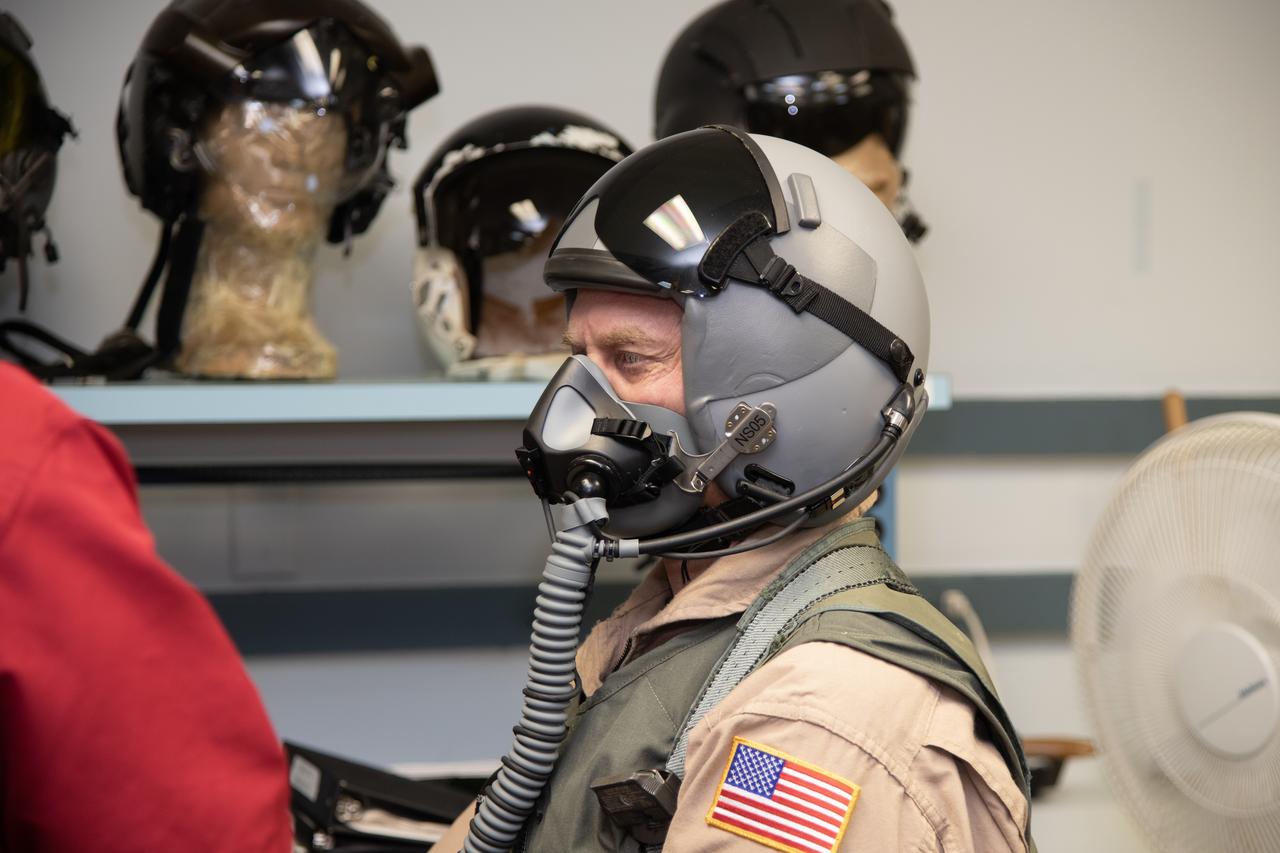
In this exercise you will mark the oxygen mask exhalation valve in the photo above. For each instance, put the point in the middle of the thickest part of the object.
(582, 441)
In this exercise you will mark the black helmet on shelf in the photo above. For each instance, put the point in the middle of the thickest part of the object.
(330, 54)
(489, 201)
(332, 57)
(823, 73)
(31, 132)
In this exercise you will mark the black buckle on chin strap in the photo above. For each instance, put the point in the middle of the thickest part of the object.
(781, 277)
(788, 285)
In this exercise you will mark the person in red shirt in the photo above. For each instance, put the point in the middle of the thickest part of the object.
(127, 721)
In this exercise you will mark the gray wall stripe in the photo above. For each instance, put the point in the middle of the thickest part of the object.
(453, 617)
(1056, 427)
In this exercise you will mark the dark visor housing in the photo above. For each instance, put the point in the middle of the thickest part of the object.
(832, 111)
(646, 226)
(688, 214)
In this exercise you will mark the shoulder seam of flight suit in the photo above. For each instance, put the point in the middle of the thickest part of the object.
(922, 728)
(1000, 788)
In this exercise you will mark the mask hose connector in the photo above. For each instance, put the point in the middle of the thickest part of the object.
(557, 623)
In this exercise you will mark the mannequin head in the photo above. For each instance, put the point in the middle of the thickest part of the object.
(871, 162)
(274, 174)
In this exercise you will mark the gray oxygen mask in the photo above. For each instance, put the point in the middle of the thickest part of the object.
(583, 441)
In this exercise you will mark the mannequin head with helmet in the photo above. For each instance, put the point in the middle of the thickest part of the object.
(833, 75)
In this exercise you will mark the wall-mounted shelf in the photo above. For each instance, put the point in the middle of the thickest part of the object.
(382, 537)
(245, 403)
(177, 403)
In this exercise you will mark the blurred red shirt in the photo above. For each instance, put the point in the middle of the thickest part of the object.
(127, 721)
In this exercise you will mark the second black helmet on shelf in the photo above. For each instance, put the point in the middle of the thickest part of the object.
(488, 203)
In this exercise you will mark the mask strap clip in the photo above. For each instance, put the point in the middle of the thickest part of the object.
(748, 429)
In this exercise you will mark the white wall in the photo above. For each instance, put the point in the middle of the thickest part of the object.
(1100, 177)
(966, 515)
(1102, 180)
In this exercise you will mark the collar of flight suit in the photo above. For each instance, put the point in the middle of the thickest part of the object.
(714, 589)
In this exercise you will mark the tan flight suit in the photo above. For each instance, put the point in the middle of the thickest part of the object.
(928, 779)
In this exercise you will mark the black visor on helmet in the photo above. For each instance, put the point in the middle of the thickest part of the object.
(325, 68)
(323, 65)
(646, 227)
(506, 201)
(831, 111)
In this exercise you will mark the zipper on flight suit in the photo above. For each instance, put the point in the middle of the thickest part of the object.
(626, 650)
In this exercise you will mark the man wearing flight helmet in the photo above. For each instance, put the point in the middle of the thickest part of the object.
(751, 340)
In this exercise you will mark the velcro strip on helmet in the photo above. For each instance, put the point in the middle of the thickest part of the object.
(724, 250)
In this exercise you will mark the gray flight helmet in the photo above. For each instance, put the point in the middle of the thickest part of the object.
(743, 341)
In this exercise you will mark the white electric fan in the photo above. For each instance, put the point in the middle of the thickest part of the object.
(1176, 630)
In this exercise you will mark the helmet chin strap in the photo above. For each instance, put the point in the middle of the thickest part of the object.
(123, 354)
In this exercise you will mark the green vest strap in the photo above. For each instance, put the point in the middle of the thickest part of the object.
(811, 576)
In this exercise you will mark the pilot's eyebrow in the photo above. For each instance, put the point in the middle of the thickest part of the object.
(617, 338)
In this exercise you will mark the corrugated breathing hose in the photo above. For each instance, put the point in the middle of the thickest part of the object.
(557, 622)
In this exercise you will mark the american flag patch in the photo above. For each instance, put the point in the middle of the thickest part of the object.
(780, 801)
